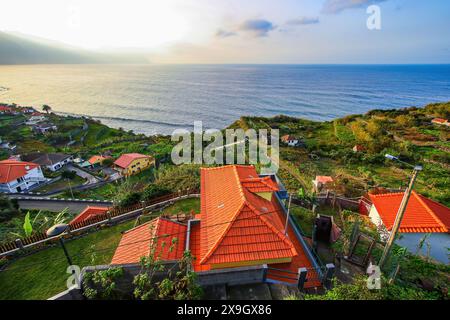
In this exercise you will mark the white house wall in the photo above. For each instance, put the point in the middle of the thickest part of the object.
(439, 244)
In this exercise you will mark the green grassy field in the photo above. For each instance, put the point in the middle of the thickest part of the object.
(43, 274)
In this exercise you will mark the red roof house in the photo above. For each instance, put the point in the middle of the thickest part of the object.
(89, 213)
(424, 228)
(440, 121)
(422, 215)
(11, 170)
(6, 109)
(132, 163)
(19, 176)
(167, 238)
(241, 223)
(97, 160)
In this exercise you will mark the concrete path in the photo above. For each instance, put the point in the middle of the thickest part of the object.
(83, 174)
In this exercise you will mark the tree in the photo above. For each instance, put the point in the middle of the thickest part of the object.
(8, 208)
(46, 108)
(68, 175)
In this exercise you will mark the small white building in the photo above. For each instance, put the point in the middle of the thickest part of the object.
(44, 128)
(322, 183)
(19, 176)
(423, 219)
(52, 161)
(33, 120)
(290, 140)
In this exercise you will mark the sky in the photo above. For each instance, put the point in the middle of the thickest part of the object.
(243, 31)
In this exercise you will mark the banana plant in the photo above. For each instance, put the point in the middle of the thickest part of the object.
(34, 225)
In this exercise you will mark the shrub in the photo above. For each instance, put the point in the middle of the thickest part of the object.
(155, 191)
(68, 175)
(130, 199)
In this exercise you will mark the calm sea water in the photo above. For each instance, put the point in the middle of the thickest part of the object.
(158, 99)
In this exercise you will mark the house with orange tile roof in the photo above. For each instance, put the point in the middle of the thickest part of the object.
(423, 217)
(97, 160)
(132, 163)
(89, 213)
(19, 176)
(358, 148)
(290, 140)
(440, 121)
(241, 224)
(322, 182)
(165, 238)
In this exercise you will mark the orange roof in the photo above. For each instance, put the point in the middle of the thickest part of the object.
(125, 160)
(158, 235)
(236, 224)
(288, 137)
(422, 214)
(324, 179)
(96, 159)
(439, 120)
(11, 170)
(5, 108)
(88, 213)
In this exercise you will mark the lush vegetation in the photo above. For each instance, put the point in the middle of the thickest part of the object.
(43, 274)
(406, 133)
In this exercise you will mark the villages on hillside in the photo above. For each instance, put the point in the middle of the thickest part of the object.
(295, 230)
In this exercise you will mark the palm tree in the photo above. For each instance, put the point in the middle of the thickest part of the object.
(46, 108)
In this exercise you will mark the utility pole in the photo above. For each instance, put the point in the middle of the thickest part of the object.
(70, 187)
(287, 216)
(399, 217)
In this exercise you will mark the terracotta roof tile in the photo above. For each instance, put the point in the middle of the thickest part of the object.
(157, 235)
(422, 214)
(11, 170)
(89, 213)
(125, 160)
(231, 213)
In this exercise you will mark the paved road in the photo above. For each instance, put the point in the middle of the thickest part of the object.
(57, 206)
(83, 174)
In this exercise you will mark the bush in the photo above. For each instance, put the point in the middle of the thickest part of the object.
(155, 191)
(8, 208)
(68, 175)
(130, 199)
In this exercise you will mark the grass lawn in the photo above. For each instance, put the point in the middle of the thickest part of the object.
(60, 184)
(304, 218)
(186, 206)
(42, 275)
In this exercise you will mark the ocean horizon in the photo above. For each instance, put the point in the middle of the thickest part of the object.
(154, 99)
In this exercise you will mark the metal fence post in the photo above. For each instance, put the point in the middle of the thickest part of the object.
(264, 272)
(302, 273)
(329, 273)
(19, 244)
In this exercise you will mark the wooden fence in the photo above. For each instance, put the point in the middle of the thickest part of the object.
(114, 214)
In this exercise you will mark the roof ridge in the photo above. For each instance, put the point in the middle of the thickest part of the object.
(238, 179)
(418, 197)
(283, 237)
(387, 194)
(216, 245)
